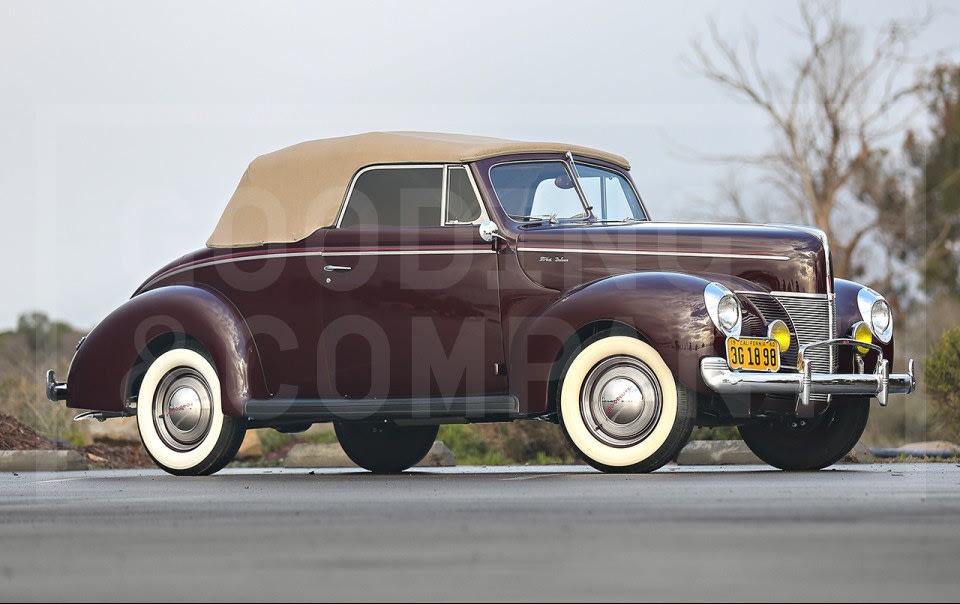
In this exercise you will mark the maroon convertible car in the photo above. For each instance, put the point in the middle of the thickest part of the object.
(392, 282)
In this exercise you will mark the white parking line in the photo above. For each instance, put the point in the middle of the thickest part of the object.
(527, 477)
(57, 480)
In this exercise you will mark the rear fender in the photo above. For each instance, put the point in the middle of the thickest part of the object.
(102, 374)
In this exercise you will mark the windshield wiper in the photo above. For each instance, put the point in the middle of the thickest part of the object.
(542, 218)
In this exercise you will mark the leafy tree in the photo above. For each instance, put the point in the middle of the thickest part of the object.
(917, 194)
(942, 379)
(933, 239)
(37, 329)
(40, 332)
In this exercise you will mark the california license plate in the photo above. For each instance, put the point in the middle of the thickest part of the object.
(753, 354)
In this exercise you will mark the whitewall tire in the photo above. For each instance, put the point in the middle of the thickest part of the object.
(180, 416)
(622, 408)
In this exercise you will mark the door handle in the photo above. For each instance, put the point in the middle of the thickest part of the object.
(333, 267)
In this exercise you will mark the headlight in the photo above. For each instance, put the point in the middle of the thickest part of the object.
(728, 312)
(723, 308)
(876, 313)
(880, 316)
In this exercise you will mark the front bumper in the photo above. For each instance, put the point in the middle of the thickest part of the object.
(881, 383)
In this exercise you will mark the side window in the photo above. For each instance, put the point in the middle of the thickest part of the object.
(405, 197)
(463, 207)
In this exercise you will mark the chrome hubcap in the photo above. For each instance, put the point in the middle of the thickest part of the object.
(621, 401)
(182, 409)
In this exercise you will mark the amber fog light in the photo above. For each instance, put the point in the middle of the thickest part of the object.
(861, 333)
(779, 331)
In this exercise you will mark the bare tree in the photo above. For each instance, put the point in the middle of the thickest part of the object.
(833, 111)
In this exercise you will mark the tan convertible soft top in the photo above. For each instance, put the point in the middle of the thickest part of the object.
(286, 195)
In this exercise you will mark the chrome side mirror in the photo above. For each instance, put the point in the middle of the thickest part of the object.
(490, 231)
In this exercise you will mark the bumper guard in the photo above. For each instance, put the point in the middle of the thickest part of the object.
(881, 383)
(56, 391)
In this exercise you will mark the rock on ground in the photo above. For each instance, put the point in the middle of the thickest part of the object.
(439, 456)
(860, 454)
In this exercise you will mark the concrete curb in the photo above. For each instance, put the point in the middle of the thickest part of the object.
(316, 455)
(931, 449)
(736, 453)
(41, 461)
(716, 453)
(331, 455)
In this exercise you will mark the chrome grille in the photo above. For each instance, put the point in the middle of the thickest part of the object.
(813, 320)
(810, 319)
(769, 308)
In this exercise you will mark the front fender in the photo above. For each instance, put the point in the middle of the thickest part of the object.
(848, 313)
(101, 373)
(666, 309)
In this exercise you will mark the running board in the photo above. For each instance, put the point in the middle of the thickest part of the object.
(330, 410)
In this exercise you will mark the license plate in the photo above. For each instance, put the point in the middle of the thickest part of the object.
(753, 354)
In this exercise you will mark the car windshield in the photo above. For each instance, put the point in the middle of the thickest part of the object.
(611, 196)
(537, 190)
(544, 190)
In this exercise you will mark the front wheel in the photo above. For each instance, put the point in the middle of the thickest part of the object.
(180, 418)
(809, 443)
(622, 408)
(385, 448)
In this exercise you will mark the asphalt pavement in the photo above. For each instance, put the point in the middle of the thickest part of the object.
(870, 532)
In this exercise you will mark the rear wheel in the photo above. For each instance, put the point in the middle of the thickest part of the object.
(180, 418)
(622, 408)
(809, 443)
(385, 448)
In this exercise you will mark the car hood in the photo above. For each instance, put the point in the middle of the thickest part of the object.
(771, 258)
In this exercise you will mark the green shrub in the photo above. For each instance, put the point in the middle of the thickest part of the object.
(468, 445)
(324, 438)
(514, 443)
(717, 433)
(271, 440)
(942, 380)
(38, 344)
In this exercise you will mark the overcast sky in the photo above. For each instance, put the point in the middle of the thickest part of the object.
(125, 126)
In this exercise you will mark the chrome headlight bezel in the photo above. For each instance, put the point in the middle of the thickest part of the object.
(867, 300)
(713, 294)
